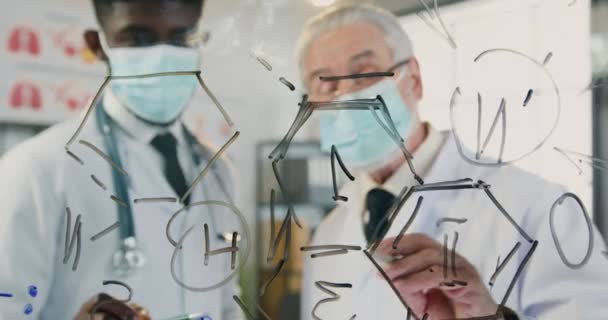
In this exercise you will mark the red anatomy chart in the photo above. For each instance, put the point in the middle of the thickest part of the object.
(48, 72)
(23, 39)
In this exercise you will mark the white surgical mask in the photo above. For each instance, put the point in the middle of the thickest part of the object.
(359, 138)
(157, 99)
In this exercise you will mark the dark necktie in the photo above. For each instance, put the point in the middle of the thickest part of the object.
(377, 202)
(166, 144)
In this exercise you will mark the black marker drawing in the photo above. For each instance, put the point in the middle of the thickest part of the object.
(520, 268)
(588, 222)
(105, 231)
(209, 253)
(562, 152)
(390, 283)
(109, 78)
(216, 102)
(457, 136)
(75, 157)
(391, 130)
(404, 195)
(444, 33)
(248, 313)
(329, 253)
(72, 239)
(158, 199)
(271, 243)
(287, 83)
(455, 283)
(92, 105)
(500, 266)
(307, 107)
(507, 215)
(274, 243)
(445, 246)
(452, 260)
(104, 156)
(408, 223)
(277, 269)
(453, 256)
(358, 76)
(479, 111)
(119, 201)
(263, 62)
(98, 182)
(330, 250)
(445, 256)
(303, 114)
(455, 220)
(446, 185)
(178, 244)
(208, 166)
(528, 97)
(334, 155)
(501, 113)
(548, 58)
(330, 247)
(594, 162)
(460, 184)
(284, 229)
(122, 284)
(324, 286)
(383, 226)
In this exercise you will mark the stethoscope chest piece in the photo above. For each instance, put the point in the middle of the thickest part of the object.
(128, 259)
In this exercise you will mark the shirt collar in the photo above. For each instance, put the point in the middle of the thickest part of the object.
(133, 126)
(422, 161)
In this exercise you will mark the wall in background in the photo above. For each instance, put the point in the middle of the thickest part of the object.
(534, 27)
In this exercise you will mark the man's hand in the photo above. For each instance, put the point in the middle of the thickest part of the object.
(110, 309)
(419, 278)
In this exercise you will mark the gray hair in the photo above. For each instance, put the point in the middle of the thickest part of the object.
(342, 15)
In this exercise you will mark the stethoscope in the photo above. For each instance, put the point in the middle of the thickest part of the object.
(129, 257)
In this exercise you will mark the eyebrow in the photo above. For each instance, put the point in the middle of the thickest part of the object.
(364, 54)
(134, 28)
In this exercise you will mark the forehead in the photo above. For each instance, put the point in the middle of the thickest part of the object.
(159, 14)
(335, 49)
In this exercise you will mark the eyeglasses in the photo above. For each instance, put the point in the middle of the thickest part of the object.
(363, 76)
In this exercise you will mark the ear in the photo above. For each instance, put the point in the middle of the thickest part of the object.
(91, 38)
(413, 73)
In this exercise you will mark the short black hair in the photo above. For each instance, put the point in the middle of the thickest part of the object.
(104, 7)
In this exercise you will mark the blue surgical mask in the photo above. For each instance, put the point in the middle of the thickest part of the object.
(159, 99)
(359, 138)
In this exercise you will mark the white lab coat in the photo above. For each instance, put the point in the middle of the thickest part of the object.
(39, 180)
(547, 289)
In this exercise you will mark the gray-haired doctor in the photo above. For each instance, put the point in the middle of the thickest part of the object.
(360, 39)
